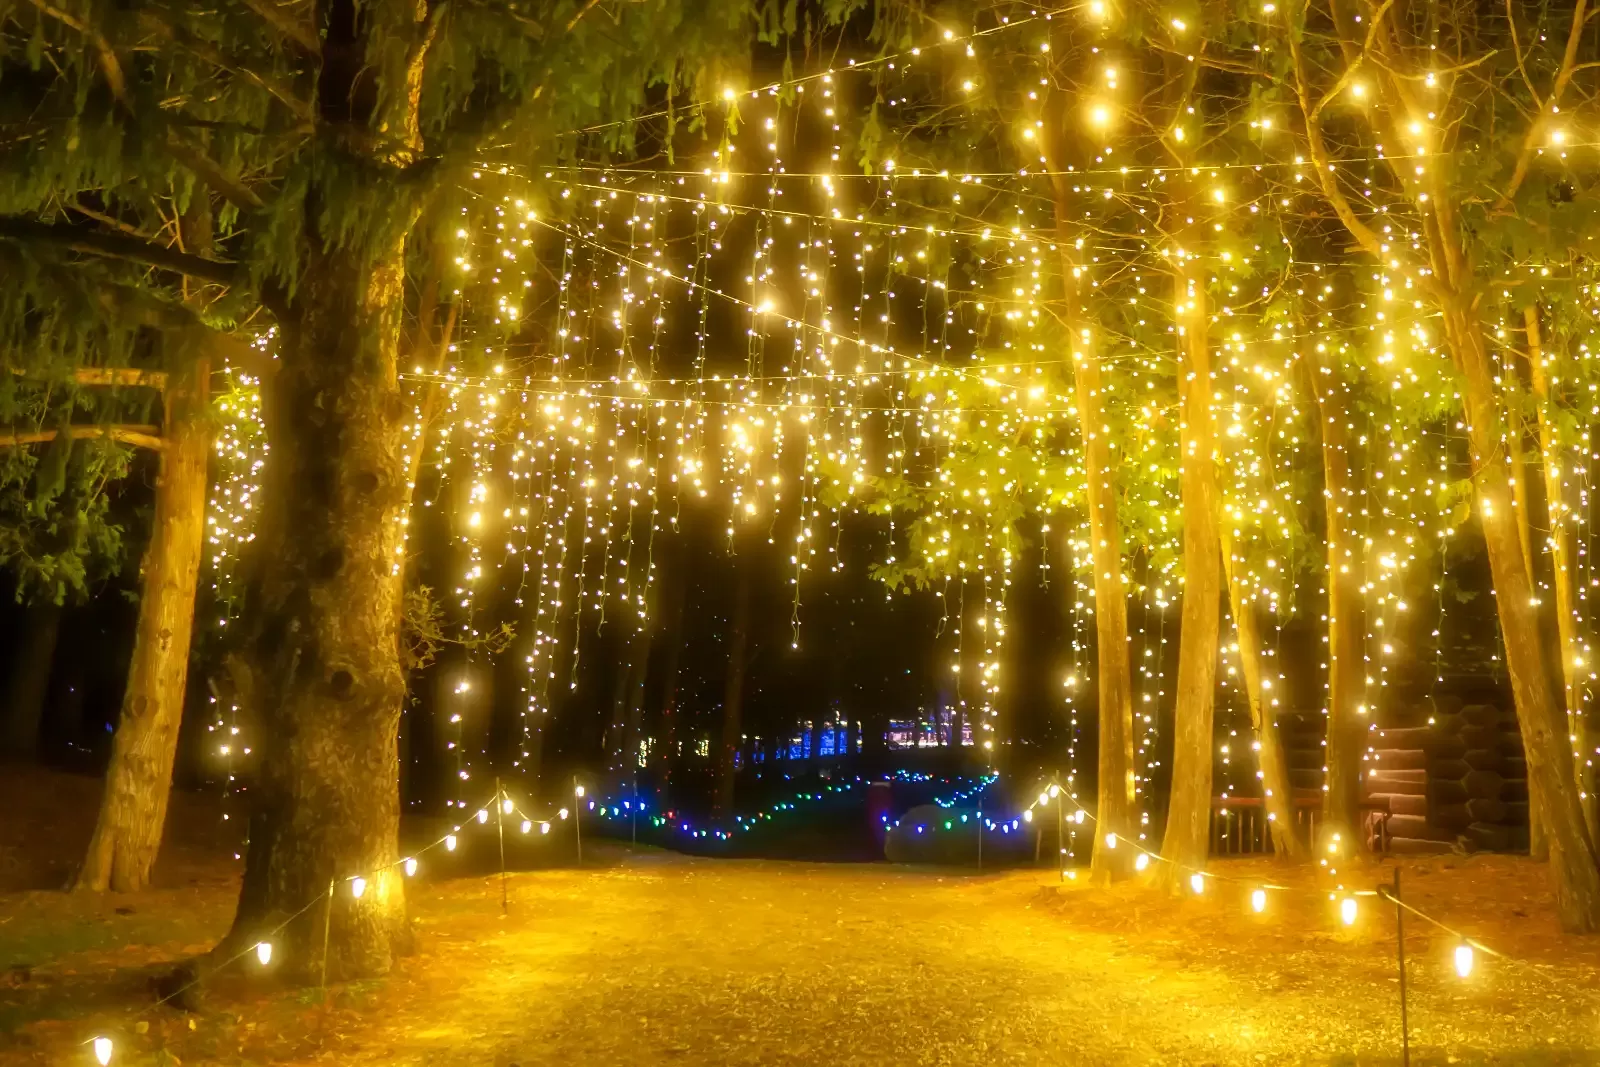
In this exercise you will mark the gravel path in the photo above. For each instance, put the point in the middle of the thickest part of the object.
(673, 961)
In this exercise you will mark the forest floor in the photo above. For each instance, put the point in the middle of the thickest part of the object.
(646, 957)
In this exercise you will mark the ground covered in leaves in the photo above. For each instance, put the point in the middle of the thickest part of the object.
(650, 958)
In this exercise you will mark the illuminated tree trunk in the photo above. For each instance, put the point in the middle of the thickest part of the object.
(29, 682)
(1558, 516)
(1115, 793)
(133, 807)
(1552, 783)
(1538, 847)
(1346, 727)
(1278, 798)
(1187, 837)
(733, 690)
(323, 657)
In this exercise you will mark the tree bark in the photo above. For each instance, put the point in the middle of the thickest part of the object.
(1186, 842)
(29, 682)
(733, 689)
(133, 809)
(1551, 781)
(1277, 795)
(323, 654)
(1346, 723)
(1538, 847)
(1559, 524)
(1115, 792)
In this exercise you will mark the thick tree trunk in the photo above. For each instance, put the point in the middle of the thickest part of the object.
(133, 808)
(1347, 721)
(1559, 523)
(1276, 793)
(1548, 751)
(323, 655)
(1538, 847)
(29, 682)
(1186, 842)
(733, 689)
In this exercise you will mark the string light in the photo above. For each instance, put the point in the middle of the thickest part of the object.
(264, 952)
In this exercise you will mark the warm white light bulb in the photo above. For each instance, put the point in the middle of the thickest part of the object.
(1055, 790)
(1197, 882)
(358, 886)
(527, 825)
(578, 791)
(450, 842)
(411, 867)
(1463, 960)
(483, 815)
(1258, 900)
(1141, 861)
(264, 952)
(1044, 798)
(562, 813)
(544, 828)
(1111, 841)
(1347, 910)
(102, 1050)
(506, 805)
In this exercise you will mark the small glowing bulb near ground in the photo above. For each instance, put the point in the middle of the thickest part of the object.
(450, 842)
(411, 867)
(1258, 900)
(102, 1050)
(1463, 960)
(357, 887)
(1141, 861)
(1347, 911)
(264, 952)
(1197, 882)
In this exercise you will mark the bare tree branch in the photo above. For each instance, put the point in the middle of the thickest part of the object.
(140, 436)
(1530, 141)
(108, 57)
(286, 26)
(119, 246)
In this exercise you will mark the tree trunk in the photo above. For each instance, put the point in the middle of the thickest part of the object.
(1559, 523)
(1277, 795)
(1186, 842)
(1551, 781)
(1115, 792)
(733, 690)
(323, 655)
(133, 808)
(1346, 727)
(29, 682)
(668, 729)
(1516, 432)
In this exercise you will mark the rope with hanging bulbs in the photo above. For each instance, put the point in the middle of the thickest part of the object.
(104, 1047)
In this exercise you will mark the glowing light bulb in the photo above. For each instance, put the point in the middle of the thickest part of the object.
(1197, 882)
(1258, 900)
(411, 867)
(358, 886)
(483, 815)
(562, 813)
(578, 792)
(1347, 911)
(544, 828)
(506, 805)
(102, 1050)
(1141, 861)
(1078, 816)
(1097, 8)
(1111, 841)
(450, 842)
(1100, 116)
(527, 826)
(1055, 790)
(1027, 816)
(264, 952)
(1463, 960)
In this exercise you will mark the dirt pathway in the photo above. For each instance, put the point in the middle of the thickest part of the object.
(691, 962)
